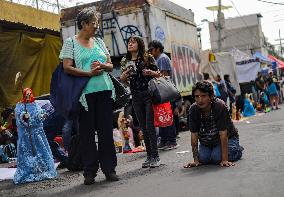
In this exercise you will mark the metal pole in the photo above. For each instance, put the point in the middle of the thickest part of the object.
(36, 4)
(58, 7)
(219, 26)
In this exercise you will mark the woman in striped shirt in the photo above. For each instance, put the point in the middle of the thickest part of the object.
(92, 59)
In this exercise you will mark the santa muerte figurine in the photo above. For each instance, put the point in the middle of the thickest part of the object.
(35, 161)
(125, 123)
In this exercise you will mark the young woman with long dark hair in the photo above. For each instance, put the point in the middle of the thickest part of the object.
(138, 68)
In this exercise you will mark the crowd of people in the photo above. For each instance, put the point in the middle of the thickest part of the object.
(268, 91)
(91, 139)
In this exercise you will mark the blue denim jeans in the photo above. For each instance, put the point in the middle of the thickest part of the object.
(67, 130)
(213, 155)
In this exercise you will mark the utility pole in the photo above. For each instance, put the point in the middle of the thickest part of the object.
(219, 26)
(58, 6)
(280, 40)
(36, 4)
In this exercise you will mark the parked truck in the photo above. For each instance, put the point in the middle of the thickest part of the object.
(160, 20)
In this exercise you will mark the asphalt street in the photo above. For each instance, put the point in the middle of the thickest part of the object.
(259, 173)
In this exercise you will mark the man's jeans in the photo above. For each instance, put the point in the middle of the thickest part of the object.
(168, 134)
(67, 130)
(213, 155)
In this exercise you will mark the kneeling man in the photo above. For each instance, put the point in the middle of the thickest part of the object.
(210, 124)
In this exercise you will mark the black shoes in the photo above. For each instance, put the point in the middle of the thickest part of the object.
(155, 162)
(112, 177)
(151, 163)
(89, 180)
(146, 164)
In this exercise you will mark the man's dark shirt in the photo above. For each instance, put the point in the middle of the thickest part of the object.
(259, 83)
(221, 120)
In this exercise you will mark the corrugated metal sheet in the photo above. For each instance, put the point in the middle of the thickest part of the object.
(104, 6)
(29, 16)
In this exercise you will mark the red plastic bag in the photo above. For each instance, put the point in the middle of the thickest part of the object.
(163, 115)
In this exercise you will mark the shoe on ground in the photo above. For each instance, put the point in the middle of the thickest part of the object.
(155, 162)
(242, 148)
(62, 165)
(146, 164)
(162, 146)
(171, 146)
(89, 180)
(112, 177)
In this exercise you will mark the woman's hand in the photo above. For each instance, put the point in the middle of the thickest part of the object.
(95, 71)
(124, 75)
(106, 67)
(148, 72)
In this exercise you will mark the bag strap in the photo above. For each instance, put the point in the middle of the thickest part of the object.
(73, 47)
(100, 44)
(103, 49)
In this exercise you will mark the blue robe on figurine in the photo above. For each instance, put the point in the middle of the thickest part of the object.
(35, 161)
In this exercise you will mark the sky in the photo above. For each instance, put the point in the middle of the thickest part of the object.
(272, 21)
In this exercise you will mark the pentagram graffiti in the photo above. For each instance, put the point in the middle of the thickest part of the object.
(111, 24)
(128, 31)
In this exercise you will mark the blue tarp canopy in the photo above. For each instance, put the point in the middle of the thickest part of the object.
(261, 57)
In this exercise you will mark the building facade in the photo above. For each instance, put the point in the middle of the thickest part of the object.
(244, 33)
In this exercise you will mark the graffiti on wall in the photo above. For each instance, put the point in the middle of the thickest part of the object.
(111, 25)
(160, 34)
(185, 68)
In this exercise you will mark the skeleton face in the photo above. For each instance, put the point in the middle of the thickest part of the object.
(28, 95)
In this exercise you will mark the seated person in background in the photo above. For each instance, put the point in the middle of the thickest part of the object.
(210, 124)
(8, 129)
(8, 134)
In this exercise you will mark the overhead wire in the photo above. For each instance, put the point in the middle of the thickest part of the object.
(270, 2)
